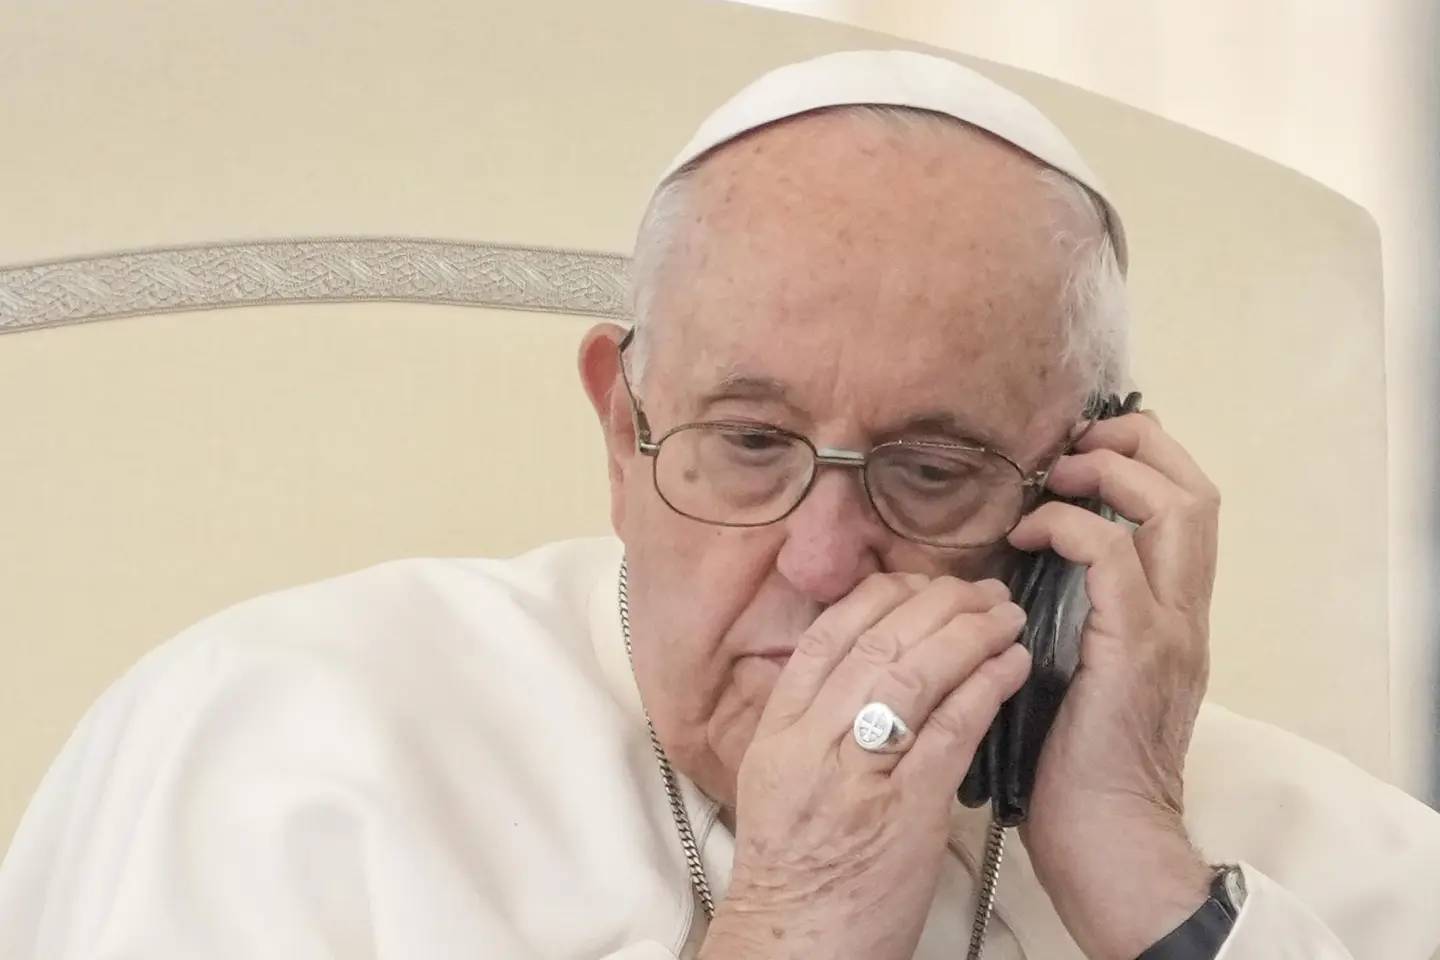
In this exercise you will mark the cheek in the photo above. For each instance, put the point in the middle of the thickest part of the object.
(630, 498)
(690, 583)
(697, 578)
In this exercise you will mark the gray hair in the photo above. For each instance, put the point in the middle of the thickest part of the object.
(1094, 306)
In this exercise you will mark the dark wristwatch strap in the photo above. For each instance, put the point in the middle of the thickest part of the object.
(1204, 933)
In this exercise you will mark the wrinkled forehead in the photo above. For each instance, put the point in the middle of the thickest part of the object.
(873, 268)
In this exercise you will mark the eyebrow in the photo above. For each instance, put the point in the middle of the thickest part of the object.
(941, 423)
(746, 387)
(946, 424)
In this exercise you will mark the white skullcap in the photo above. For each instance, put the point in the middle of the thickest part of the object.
(899, 78)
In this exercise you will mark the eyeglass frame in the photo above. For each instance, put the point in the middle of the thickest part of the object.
(1030, 482)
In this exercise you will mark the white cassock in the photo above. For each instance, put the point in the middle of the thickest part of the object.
(447, 759)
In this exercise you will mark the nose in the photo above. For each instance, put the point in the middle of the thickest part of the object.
(832, 540)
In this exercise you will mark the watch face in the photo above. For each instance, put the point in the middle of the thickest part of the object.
(1232, 882)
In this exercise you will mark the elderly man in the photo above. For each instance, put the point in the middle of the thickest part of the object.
(875, 300)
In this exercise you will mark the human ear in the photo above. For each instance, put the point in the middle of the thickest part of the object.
(599, 366)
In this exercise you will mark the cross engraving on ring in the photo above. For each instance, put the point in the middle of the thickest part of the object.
(873, 726)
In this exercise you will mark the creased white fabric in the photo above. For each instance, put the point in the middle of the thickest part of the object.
(445, 758)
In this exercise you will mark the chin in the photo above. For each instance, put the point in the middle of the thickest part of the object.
(732, 728)
(713, 772)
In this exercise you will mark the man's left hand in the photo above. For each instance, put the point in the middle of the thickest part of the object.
(1105, 832)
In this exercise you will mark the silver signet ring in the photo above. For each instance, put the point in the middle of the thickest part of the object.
(877, 727)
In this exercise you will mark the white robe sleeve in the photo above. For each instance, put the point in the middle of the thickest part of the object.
(318, 775)
(649, 950)
(1273, 925)
(1338, 865)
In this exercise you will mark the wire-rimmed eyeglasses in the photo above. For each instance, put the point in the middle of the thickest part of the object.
(736, 473)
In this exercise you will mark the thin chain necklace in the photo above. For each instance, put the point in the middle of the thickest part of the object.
(698, 882)
(994, 842)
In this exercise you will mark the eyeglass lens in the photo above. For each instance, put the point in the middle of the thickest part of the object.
(747, 476)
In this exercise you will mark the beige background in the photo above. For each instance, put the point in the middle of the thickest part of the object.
(154, 469)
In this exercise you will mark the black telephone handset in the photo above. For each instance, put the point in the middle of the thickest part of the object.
(1052, 592)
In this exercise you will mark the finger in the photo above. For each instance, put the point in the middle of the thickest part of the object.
(1135, 490)
(1177, 550)
(1116, 575)
(1176, 543)
(826, 642)
(914, 684)
(936, 604)
(1143, 439)
(946, 743)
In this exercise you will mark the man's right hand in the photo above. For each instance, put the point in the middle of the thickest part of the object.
(838, 849)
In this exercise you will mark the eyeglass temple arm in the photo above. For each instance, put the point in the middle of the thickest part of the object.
(643, 443)
(1098, 407)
